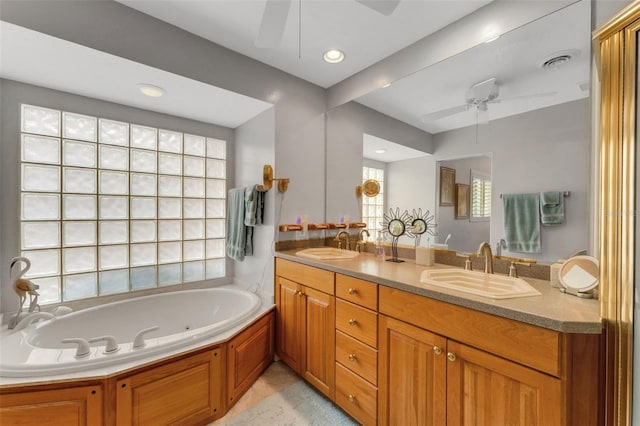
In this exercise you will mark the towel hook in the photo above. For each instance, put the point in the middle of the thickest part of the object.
(267, 179)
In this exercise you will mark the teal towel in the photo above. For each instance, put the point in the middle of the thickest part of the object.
(522, 222)
(551, 208)
(236, 229)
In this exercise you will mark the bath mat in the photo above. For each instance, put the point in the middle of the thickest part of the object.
(296, 405)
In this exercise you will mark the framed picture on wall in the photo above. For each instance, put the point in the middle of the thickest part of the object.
(447, 186)
(462, 201)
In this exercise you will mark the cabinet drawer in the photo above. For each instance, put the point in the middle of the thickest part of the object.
(309, 276)
(363, 293)
(357, 357)
(357, 322)
(356, 396)
(526, 344)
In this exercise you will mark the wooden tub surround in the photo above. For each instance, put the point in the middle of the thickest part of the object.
(190, 389)
(390, 356)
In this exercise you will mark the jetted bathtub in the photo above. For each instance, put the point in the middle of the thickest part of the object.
(182, 318)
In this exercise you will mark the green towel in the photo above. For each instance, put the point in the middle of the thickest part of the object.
(236, 229)
(551, 208)
(522, 222)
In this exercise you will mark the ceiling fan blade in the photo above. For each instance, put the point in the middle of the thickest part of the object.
(386, 7)
(273, 22)
(438, 115)
(529, 96)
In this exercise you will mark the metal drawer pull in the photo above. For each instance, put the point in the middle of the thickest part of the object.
(352, 398)
(451, 356)
(437, 350)
(352, 357)
(353, 290)
(352, 321)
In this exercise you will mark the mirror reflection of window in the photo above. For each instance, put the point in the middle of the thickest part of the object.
(480, 196)
(373, 207)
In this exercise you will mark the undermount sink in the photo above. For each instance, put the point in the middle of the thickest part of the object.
(478, 283)
(327, 253)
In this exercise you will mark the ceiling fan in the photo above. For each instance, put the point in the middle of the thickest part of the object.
(478, 97)
(276, 12)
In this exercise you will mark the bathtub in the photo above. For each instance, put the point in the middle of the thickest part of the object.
(183, 318)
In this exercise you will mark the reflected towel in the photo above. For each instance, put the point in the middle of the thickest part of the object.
(522, 222)
(551, 208)
(236, 229)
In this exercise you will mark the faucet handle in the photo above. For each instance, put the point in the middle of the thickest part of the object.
(467, 260)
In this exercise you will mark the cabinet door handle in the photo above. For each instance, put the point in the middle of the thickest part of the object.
(297, 293)
(437, 350)
(451, 356)
(352, 321)
(352, 290)
(352, 357)
(352, 398)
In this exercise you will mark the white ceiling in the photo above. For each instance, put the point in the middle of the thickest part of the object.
(43, 60)
(35, 58)
(364, 35)
(393, 151)
(513, 60)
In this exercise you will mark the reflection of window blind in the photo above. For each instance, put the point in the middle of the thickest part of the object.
(480, 196)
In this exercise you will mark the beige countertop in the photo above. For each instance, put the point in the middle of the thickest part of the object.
(553, 309)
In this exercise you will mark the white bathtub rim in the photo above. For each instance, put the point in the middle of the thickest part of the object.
(98, 364)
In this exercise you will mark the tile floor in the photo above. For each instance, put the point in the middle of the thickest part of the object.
(275, 387)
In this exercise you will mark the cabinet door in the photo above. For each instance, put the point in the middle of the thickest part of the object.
(187, 391)
(318, 366)
(411, 375)
(71, 406)
(248, 355)
(288, 327)
(483, 389)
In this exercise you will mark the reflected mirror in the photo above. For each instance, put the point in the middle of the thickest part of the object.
(521, 102)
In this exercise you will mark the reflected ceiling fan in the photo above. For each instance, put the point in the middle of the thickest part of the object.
(274, 18)
(478, 97)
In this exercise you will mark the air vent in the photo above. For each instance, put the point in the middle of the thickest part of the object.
(558, 59)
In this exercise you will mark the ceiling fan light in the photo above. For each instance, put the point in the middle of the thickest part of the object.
(333, 56)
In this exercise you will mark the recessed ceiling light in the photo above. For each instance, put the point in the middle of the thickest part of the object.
(151, 90)
(385, 85)
(380, 151)
(333, 56)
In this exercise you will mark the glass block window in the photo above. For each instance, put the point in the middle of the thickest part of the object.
(109, 207)
(480, 196)
(373, 207)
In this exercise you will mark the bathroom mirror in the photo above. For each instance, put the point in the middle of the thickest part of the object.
(535, 122)
(579, 274)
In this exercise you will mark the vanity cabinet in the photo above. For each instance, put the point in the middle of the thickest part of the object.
(357, 348)
(305, 322)
(445, 364)
(80, 406)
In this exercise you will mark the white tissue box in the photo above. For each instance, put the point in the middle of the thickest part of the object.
(425, 256)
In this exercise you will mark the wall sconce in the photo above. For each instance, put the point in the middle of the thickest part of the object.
(267, 180)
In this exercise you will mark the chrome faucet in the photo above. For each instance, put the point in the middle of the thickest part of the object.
(501, 244)
(485, 250)
(346, 234)
(361, 241)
